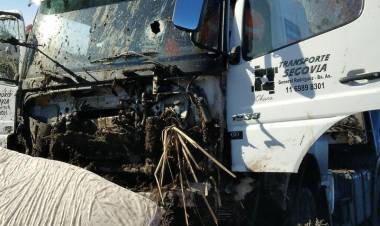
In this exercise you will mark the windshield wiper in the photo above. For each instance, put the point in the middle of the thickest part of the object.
(128, 54)
(74, 77)
(57, 77)
(170, 69)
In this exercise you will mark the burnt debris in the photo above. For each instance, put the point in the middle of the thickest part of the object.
(146, 133)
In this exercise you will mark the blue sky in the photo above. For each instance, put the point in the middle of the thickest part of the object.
(21, 5)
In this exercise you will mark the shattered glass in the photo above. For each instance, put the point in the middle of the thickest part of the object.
(77, 33)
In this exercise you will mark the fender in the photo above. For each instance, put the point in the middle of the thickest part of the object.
(277, 147)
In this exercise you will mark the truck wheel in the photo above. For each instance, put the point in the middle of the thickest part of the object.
(301, 209)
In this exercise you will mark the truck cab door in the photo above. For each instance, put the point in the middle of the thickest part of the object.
(305, 65)
(11, 23)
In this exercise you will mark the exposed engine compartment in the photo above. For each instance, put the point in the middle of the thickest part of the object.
(130, 133)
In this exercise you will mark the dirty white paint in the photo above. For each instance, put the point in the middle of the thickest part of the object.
(7, 111)
(277, 147)
(301, 107)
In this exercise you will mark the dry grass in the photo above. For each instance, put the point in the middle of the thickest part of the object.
(176, 144)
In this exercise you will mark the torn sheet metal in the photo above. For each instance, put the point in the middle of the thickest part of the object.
(36, 191)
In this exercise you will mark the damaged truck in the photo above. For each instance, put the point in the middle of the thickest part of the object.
(225, 112)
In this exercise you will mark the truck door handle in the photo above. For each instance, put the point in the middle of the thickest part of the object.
(367, 76)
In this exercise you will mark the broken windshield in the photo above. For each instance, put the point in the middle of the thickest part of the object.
(78, 33)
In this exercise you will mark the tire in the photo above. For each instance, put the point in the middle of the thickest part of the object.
(301, 208)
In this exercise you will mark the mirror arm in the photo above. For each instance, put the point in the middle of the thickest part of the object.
(234, 57)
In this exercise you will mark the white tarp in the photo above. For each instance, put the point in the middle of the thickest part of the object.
(35, 191)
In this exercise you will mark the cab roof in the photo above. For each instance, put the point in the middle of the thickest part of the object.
(11, 13)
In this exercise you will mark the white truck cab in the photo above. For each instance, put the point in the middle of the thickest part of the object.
(305, 69)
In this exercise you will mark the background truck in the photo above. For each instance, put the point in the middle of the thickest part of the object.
(230, 112)
(11, 24)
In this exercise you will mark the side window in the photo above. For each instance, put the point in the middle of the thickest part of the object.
(9, 54)
(272, 24)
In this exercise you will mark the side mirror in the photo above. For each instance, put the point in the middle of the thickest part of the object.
(187, 14)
